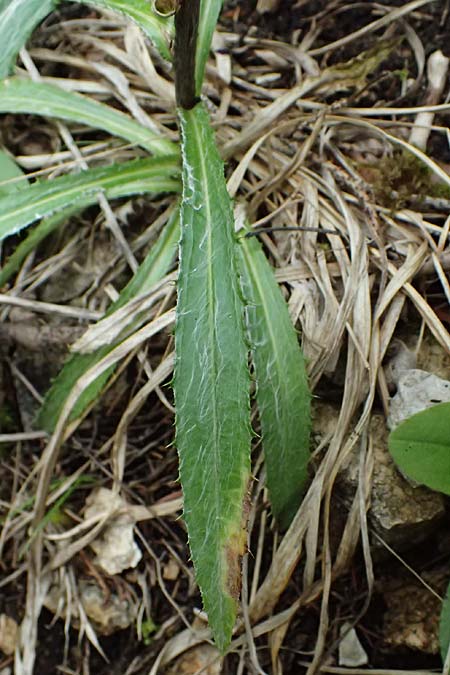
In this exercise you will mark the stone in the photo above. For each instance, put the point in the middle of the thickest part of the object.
(9, 633)
(351, 651)
(115, 548)
(108, 612)
(412, 615)
(417, 390)
(400, 513)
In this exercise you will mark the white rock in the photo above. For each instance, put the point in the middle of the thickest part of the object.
(351, 651)
(115, 548)
(416, 391)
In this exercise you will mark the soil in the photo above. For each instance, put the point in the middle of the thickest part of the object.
(151, 469)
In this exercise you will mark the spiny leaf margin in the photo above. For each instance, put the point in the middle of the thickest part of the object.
(282, 392)
(211, 382)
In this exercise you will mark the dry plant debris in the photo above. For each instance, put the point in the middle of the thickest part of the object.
(359, 238)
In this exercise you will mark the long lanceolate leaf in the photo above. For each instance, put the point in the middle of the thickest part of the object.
(44, 198)
(157, 28)
(209, 13)
(18, 19)
(211, 379)
(282, 392)
(153, 268)
(18, 95)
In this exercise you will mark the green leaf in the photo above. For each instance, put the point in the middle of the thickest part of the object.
(12, 178)
(153, 268)
(18, 19)
(211, 380)
(444, 626)
(158, 29)
(282, 392)
(209, 14)
(421, 447)
(38, 98)
(46, 197)
(32, 240)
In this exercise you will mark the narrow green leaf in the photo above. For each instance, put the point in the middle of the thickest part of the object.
(209, 14)
(38, 98)
(46, 197)
(282, 392)
(444, 623)
(18, 19)
(444, 626)
(421, 447)
(153, 268)
(159, 29)
(12, 178)
(211, 380)
(32, 240)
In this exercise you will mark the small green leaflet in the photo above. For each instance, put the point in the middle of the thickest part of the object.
(211, 380)
(282, 392)
(421, 447)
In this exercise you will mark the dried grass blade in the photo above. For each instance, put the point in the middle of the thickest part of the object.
(150, 272)
(158, 29)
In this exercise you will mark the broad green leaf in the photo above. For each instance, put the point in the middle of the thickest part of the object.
(444, 626)
(209, 14)
(157, 28)
(18, 95)
(282, 392)
(12, 178)
(46, 197)
(153, 268)
(18, 19)
(421, 447)
(211, 380)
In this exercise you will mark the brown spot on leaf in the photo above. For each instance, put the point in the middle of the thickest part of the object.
(235, 549)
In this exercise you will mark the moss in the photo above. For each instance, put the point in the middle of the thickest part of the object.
(396, 179)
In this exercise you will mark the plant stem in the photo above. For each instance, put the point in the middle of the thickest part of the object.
(186, 31)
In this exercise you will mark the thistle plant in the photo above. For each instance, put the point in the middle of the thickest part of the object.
(229, 304)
